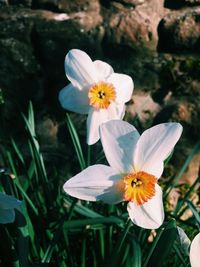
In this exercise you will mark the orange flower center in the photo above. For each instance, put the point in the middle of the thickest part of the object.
(139, 187)
(101, 95)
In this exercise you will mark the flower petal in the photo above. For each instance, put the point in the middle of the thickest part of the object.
(151, 214)
(97, 182)
(154, 146)
(7, 216)
(123, 85)
(74, 99)
(119, 111)
(119, 139)
(8, 202)
(194, 251)
(97, 117)
(94, 120)
(103, 69)
(80, 69)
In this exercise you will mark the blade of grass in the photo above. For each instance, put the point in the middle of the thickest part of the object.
(22, 237)
(195, 212)
(162, 245)
(76, 142)
(117, 249)
(68, 249)
(183, 169)
(136, 255)
(87, 222)
(29, 174)
(83, 253)
(125, 256)
(30, 124)
(18, 153)
(67, 225)
(178, 210)
(48, 254)
(17, 183)
(31, 117)
(82, 210)
(94, 258)
(180, 256)
(102, 243)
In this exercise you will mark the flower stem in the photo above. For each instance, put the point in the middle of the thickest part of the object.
(116, 251)
(153, 247)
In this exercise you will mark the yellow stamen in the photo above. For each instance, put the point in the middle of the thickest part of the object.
(139, 187)
(101, 95)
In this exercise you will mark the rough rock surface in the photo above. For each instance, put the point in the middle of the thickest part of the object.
(180, 31)
(33, 46)
(135, 27)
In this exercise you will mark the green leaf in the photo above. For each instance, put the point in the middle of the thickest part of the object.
(162, 245)
(19, 154)
(117, 251)
(136, 255)
(34, 144)
(194, 211)
(22, 238)
(83, 253)
(76, 142)
(17, 183)
(82, 210)
(180, 208)
(88, 222)
(183, 169)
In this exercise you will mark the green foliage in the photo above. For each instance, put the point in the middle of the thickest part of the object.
(52, 229)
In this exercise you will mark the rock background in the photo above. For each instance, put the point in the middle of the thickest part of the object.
(157, 42)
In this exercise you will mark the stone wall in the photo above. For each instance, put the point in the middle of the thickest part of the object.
(155, 41)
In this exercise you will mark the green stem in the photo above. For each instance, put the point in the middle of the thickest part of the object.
(153, 247)
(117, 249)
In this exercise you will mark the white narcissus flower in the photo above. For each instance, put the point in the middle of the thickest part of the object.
(136, 163)
(94, 90)
(7, 206)
(195, 251)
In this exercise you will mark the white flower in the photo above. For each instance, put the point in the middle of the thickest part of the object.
(136, 162)
(195, 251)
(7, 206)
(94, 90)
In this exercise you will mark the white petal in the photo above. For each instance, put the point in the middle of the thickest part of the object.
(97, 117)
(103, 69)
(154, 147)
(7, 216)
(80, 69)
(123, 85)
(74, 99)
(94, 120)
(195, 251)
(119, 139)
(119, 111)
(97, 182)
(151, 214)
(8, 202)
